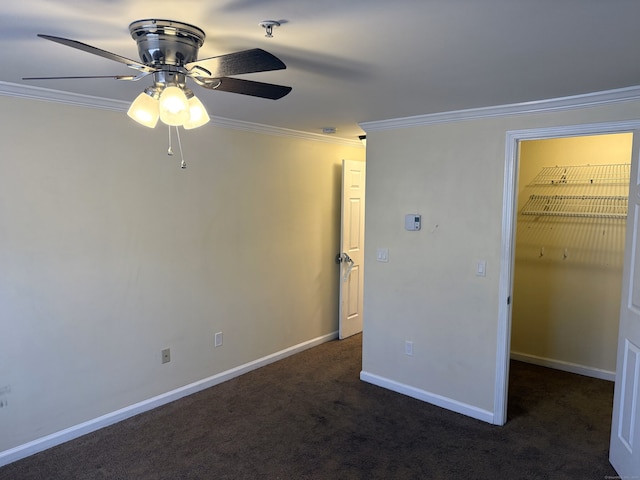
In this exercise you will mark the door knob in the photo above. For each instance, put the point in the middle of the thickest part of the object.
(343, 257)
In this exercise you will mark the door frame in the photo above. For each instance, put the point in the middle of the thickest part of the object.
(507, 256)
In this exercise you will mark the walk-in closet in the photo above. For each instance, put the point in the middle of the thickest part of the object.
(572, 211)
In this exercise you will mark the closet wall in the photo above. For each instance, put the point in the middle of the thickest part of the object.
(569, 252)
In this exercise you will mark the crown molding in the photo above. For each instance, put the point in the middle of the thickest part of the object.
(538, 106)
(283, 132)
(57, 96)
(8, 89)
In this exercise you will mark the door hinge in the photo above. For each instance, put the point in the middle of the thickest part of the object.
(509, 300)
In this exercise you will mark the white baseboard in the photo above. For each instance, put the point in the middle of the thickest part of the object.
(62, 436)
(565, 366)
(432, 398)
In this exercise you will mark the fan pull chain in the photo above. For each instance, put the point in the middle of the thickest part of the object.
(183, 164)
(169, 150)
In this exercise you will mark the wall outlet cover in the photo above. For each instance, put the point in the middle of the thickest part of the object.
(166, 355)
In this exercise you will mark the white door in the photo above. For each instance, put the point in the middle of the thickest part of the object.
(351, 254)
(624, 452)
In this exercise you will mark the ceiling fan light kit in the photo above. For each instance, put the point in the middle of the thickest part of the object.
(198, 115)
(168, 45)
(144, 108)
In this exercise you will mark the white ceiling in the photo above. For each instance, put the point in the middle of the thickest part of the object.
(349, 61)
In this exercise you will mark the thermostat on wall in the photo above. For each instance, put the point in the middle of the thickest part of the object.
(412, 221)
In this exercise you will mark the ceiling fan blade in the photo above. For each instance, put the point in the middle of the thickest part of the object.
(247, 61)
(101, 53)
(245, 87)
(115, 77)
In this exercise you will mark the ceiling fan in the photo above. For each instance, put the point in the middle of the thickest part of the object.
(168, 50)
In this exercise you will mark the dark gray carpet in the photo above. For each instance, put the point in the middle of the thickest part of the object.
(310, 417)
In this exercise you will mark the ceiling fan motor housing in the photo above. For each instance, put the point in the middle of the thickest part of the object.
(166, 42)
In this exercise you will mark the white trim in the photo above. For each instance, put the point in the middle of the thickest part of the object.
(564, 366)
(539, 106)
(282, 132)
(513, 137)
(432, 398)
(56, 96)
(57, 438)
(505, 287)
(45, 94)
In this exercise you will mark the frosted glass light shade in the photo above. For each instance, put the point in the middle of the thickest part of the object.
(198, 114)
(144, 110)
(174, 106)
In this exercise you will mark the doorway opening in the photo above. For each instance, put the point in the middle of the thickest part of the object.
(514, 142)
(569, 250)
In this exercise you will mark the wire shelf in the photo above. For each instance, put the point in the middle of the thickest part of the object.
(577, 206)
(615, 174)
(575, 215)
(591, 191)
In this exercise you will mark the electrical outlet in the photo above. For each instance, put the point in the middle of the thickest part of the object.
(408, 348)
(166, 355)
(217, 342)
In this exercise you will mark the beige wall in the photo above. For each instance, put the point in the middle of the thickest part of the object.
(566, 310)
(109, 253)
(453, 174)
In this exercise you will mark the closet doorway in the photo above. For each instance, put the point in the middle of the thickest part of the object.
(514, 140)
(569, 251)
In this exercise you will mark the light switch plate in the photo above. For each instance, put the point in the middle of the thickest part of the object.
(481, 268)
(382, 255)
